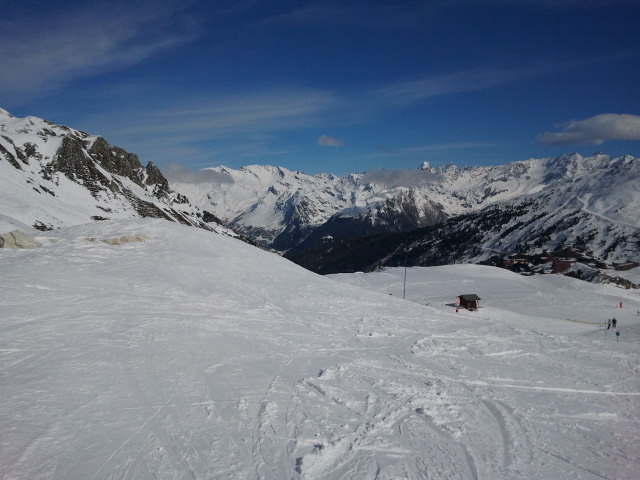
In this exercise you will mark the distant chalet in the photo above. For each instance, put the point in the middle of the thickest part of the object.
(468, 301)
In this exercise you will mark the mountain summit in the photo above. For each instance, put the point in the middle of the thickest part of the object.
(54, 176)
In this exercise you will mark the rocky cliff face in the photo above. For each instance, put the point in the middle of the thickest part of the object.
(54, 176)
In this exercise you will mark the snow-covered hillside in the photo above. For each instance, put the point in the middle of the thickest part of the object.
(293, 212)
(185, 354)
(53, 176)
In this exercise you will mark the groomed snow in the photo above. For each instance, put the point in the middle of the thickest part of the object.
(186, 354)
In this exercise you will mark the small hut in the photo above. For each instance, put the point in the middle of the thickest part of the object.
(468, 301)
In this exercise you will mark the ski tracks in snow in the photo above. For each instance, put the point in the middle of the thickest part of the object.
(585, 208)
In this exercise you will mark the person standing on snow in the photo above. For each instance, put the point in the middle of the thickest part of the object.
(608, 324)
(614, 322)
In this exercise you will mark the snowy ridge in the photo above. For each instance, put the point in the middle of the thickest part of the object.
(548, 232)
(262, 202)
(53, 176)
(283, 209)
(225, 361)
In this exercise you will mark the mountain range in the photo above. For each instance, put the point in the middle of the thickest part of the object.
(536, 215)
(438, 215)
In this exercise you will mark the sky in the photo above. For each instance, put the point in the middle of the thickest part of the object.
(340, 87)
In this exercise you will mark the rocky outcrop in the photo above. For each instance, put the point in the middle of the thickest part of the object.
(72, 160)
(18, 239)
(161, 185)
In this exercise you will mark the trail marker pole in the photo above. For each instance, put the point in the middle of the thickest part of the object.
(404, 288)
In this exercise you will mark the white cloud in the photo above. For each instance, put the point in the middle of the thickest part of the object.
(327, 141)
(408, 92)
(399, 177)
(376, 17)
(39, 54)
(196, 126)
(385, 151)
(202, 116)
(595, 130)
(180, 174)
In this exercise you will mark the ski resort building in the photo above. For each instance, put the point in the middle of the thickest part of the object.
(468, 301)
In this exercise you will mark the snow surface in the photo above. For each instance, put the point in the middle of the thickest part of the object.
(187, 354)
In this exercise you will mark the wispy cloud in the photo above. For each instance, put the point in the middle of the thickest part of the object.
(595, 130)
(408, 92)
(177, 173)
(191, 119)
(399, 177)
(204, 116)
(194, 126)
(432, 148)
(559, 4)
(44, 53)
(199, 123)
(447, 147)
(327, 141)
(375, 17)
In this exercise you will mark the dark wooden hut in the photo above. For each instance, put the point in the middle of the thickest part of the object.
(468, 301)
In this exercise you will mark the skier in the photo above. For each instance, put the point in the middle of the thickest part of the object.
(608, 324)
(614, 322)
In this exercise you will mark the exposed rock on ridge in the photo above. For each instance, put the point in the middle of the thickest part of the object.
(82, 177)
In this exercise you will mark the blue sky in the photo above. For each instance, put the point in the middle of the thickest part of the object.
(342, 86)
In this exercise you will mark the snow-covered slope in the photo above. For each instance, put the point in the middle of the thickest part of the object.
(186, 354)
(293, 212)
(53, 176)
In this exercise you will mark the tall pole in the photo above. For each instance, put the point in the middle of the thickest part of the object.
(404, 290)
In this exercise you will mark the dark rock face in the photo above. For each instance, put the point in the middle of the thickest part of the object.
(116, 160)
(72, 160)
(9, 156)
(82, 166)
(155, 177)
(208, 217)
(42, 227)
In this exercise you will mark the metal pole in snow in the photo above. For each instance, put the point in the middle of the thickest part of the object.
(404, 288)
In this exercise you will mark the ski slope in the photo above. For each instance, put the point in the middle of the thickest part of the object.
(183, 354)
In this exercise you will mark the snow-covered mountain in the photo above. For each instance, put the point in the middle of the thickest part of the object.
(585, 210)
(53, 176)
(526, 206)
(278, 208)
(224, 361)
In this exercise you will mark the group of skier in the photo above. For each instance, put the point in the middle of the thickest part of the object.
(612, 322)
